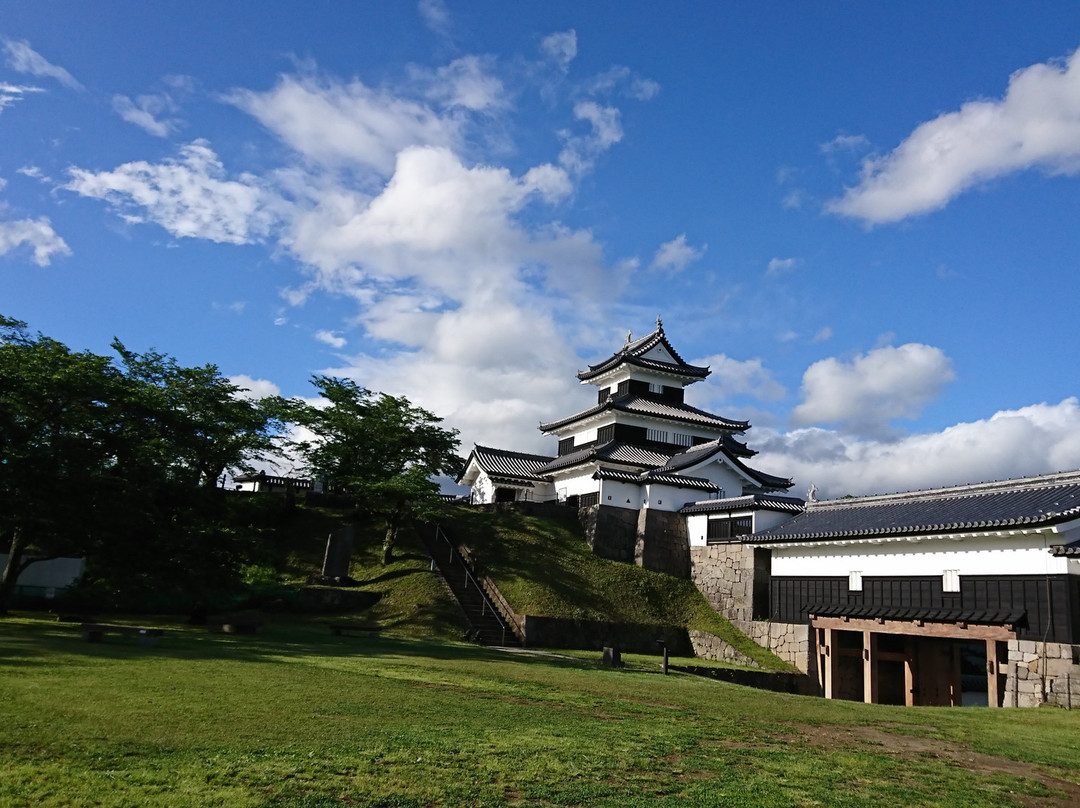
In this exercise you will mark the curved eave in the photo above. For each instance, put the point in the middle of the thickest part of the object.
(692, 372)
(1001, 527)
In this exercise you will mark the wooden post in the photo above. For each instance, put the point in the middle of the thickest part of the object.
(993, 698)
(909, 672)
(827, 659)
(870, 667)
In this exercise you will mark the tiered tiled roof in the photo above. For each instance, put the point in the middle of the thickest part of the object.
(509, 468)
(654, 476)
(654, 408)
(723, 446)
(1030, 502)
(758, 502)
(611, 452)
(633, 353)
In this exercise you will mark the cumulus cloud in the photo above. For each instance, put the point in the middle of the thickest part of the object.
(1038, 439)
(435, 16)
(560, 48)
(24, 59)
(778, 266)
(872, 389)
(581, 151)
(10, 93)
(1035, 125)
(339, 124)
(145, 112)
(190, 196)
(466, 82)
(676, 255)
(254, 389)
(38, 234)
(330, 338)
(734, 377)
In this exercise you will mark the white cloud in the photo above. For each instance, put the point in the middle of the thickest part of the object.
(144, 112)
(733, 377)
(10, 93)
(561, 48)
(24, 59)
(36, 233)
(339, 124)
(1036, 124)
(188, 196)
(778, 266)
(467, 82)
(1038, 439)
(330, 338)
(435, 16)
(254, 388)
(845, 143)
(676, 255)
(823, 334)
(581, 151)
(873, 388)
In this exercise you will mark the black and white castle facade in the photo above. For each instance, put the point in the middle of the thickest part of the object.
(960, 595)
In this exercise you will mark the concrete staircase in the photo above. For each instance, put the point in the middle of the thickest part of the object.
(486, 625)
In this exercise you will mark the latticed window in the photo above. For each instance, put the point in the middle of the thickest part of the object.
(658, 435)
(683, 440)
(729, 527)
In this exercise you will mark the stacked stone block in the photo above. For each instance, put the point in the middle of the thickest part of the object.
(1043, 673)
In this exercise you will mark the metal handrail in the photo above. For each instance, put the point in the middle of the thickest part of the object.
(498, 599)
(485, 602)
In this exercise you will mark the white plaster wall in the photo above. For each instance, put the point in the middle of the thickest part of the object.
(763, 520)
(56, 572)
(616, 493)
(730, 481)
(660, 497)
(577, 484)
(1008, 555)
(696, 526)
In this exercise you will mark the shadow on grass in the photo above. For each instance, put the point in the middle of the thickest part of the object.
(29, 642)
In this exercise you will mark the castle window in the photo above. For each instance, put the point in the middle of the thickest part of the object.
(658, 435)
(728, 527)
(683, 440)
(854, 581)
(950, 581)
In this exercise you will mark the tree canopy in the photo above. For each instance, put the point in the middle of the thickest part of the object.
(380, 449)
(117, 460)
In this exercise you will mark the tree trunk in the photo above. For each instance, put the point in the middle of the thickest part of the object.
(392, 523)
(14, 567)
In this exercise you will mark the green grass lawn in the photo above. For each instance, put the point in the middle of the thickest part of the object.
(296, 717)
(544, 567)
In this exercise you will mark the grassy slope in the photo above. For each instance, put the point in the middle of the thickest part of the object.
(413, 601)
(295, 717)
(544, 567)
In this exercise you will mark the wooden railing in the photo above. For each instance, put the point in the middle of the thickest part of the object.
(491, 598)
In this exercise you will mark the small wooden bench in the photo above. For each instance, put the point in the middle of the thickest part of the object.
(95, 632)
(345, 627)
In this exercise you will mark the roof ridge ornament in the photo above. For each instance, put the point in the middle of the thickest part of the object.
(659, 325)
(629, 337)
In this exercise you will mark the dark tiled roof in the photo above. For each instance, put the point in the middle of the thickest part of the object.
(513, 468)
(1071, 550)
(984, 617)
(633, 353)
(1030, 502)
(612, 452)
(654, 477)
(642, 405)
(720, 446)
(758, 502)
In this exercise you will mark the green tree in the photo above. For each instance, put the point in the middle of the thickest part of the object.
(380, 449)
(57, 444)
(119, 462)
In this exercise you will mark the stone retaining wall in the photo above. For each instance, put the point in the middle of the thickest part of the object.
(725, 575)
(1041, 673)
(554, 632)
(709, 646)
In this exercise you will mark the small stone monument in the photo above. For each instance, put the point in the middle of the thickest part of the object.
(338, 553)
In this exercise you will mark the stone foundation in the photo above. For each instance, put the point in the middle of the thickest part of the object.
(1043, 673)
(709, 646)
(611, 532)
(662, 543)
(792, 642)
(724, 573)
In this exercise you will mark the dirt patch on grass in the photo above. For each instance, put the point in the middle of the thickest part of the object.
(903, 745)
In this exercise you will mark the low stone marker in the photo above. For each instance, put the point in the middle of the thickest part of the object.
(612, 657)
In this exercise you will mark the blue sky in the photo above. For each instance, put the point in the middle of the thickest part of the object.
(862, 216)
